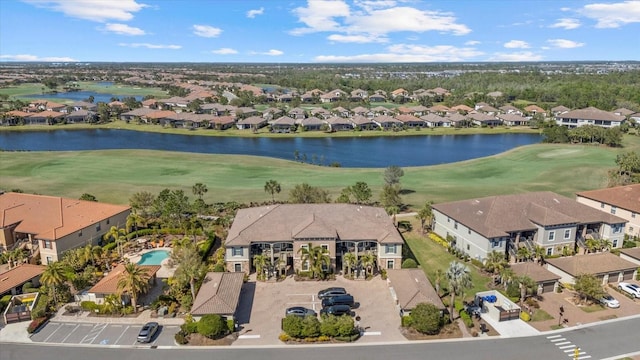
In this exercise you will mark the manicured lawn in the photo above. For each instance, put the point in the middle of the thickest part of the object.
(28, 89)
(114, 175)
(541, 315)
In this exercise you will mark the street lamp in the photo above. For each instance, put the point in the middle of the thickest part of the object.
(561, 313)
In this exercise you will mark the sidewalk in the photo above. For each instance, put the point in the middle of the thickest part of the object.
(142, 318)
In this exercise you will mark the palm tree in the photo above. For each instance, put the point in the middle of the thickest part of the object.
(96, 254)
(260, 261)
(53, 276)
(368, 260)
(605, 244)
(424, 215)
(506, 275)
(392, 211)
(272, 187)
(349, 260)
(495, 262)
(539, 253)
(459, 278)
(527, 287)
(592, 245)
(438, 279)
(134, 280)
(190, 269)
(316, 257)
(118, 235)
(523, 253)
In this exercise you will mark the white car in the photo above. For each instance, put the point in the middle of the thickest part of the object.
(631, 289)
(609, 301)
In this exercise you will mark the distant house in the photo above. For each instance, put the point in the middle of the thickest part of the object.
(297, 113)
(606, 267)
(81, 116)
(513, 119)
(623, 112)
(337, 123)
(219, 294)
(283, 124)
(621, 201)
(482, 119)
(433, 121)
(46, 117)
(108, 285)
(136, 114)
(79, 105)
(56, 224)
(411, 121)
(358, 95)
(311, 123)
(510, 109)
(222, 122)
(388, 122)
(534, 109)
(13, 279)
(589, 116)
(14, 117)
(410, 288)
(333, 96)
(461, 108)
(560, 109)
(365, 123)
(631, 255)
(252, 122)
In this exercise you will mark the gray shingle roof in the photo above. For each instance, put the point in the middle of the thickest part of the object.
(412, 288)
(596, 264)
(219, 294)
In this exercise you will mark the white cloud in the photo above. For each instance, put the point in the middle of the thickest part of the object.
(362, 39)
(253, 13)
(28, 57)
(517, 44)
(206, 31)
(516, 56)
(613, 15)
(372, 19)
(564, 44)
(225, 51)
(273, 52)
(565, 9)
(472, 43)
(94, 10)
(566, 23)
(123, 29)
(409, 53)
(151, 46)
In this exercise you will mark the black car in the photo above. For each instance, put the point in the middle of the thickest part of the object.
(148, 330)
(332, 291)
(345, 299)
(300, 311)
(337, 310)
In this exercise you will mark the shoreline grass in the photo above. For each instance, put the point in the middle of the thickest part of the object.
(114, 175)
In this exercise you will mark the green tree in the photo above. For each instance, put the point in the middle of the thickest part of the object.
(307, 194)
(316, 257)
(426, 318)
(191, 269)
(54, 276)
(368, 261)
(349, 260)
(134, 280)
(459, 278)
(172, 205)
(142, 205)
(495, 262)
(361, 192)
(88, 197)
(272, 187)
(390, 196)
(588, 287)
(424, 215)
(523, 253)
(118, 236)
(199, 189)
(392, 175)
(260, 262)
(527, 287)
(211, 326)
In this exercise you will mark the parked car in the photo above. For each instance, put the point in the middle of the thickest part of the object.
(631, 289)
(300, 311)
(609, 301)
(345, 299)
(147, 332)
(337, 310)
(332, 291)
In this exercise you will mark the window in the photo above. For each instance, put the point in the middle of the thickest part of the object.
(495, 243)
(237, 251)
(617, 229)
(614, 244)
(237, 267)
(469, 231)
(305, 266)
(602, 205)
(448, 219)
(390, 264)
(613, 210)
(567, 234)
(304, 246)
(390, 249)
(633, 215)
(549, 251)
(49, 259)
(108, 221)
(455, 225)
(552, 236)
(80, 233)
(98, 227)
(47, 244)
(325, 246)
(468, 247)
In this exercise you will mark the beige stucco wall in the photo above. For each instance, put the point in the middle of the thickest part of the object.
(633, 220)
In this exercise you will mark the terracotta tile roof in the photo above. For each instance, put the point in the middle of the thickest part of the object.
(595, 264)
(17, 113)
(160, 114)
(138, 112)
(18, 276)
(109, 283)
(412, 287)
(438, 108)
(223, 120)
(46, 114)
(495, 216)
(512, 117)
(434, 118)
(462, 107)
(405, 118)
(278, 222)
(625, 197)
(535, 108)
(51, 217)
(219, 294)
(633, 252)
(591, 113)
(560, 108)
(252, 120)
(535, 271)
(623, 111)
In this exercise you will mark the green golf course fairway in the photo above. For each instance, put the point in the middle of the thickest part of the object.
(114, 175)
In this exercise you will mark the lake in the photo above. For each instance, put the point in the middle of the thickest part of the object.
(367, 152)
(80, 96)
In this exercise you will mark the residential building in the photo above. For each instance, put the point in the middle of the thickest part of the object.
(507, 222)
(219, 294)
(621, 201)
(55, 224)
(281, 231)
(108, 285)
(411, 287)
(605, 266)
(13, 279)
(589, 116)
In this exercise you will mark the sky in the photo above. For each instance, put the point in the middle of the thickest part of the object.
(319, 31)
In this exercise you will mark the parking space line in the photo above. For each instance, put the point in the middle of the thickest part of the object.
(97, 329)
(121, 335)
(70, 332)
(54, 331)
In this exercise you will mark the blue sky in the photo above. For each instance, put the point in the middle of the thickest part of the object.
(318, 31)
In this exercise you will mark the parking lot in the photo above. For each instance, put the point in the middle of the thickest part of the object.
(262, 307)
(102, 334)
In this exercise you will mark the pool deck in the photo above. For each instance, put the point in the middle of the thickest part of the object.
(165, 270)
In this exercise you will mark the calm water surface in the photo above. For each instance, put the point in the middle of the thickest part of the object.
(349, 152)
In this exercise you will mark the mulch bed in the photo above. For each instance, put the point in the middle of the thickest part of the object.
(199, 340)
(450, 331)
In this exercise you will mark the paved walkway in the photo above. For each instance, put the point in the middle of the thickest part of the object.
(511, 328)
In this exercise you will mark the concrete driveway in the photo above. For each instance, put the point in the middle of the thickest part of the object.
(262, 307)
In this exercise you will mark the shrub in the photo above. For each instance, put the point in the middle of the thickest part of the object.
(211, 326)
(189, 327)
(329, 326)
(89, 306)
(426, 318)
(181, 338)
(219, 267)
(525, 316)
(40, 310)
(409, 264)
(466, 318)
(406, 321)
(513, 290)
(323, 338)
(310, 327)
(383, 274)
(4, 301)
(110, 246)
(284, 337)
(231, 325)
(35, 324)
(292, 325)
(439, 240)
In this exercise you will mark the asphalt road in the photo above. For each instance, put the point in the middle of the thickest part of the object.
(608, 340)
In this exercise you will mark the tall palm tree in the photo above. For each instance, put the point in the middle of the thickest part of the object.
(424, 215)
(118, 235)
(190, 268)
(53, 276)
(523, 253)
(368, 260)
(439, 275)
(260, 261)
(349, 260)
(392, 211)
(272, 187)
(527, 286)
(592, 245)
(134, 281)
(495, 262)
(316, 257)
(459, 278)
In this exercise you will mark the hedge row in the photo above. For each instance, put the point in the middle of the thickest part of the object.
(439, 240)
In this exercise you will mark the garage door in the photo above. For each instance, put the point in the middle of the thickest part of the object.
(613, 277)
(628, 275)
(547, 287)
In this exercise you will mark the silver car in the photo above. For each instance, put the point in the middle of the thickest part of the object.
(147, 332)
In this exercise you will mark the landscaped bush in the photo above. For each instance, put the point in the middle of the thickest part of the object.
(4, 301)
(40, 310)
(89, 306)
(231, 325)
(310, 327)
(409, 264)
(337, 326)
(466, 318)
(525, 316)
(426, 318)
(439, 240)
(513, 290)
(292, 325)
(406, 321)
(109, 246)
(189, 327)
(211, 326)
(219, 268)
(35, 324)
(181, 338)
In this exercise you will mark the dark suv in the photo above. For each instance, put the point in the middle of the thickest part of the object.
(332, 291)
(345, 299)
(337, 310)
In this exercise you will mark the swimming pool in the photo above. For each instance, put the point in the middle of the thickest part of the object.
(154, 257)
